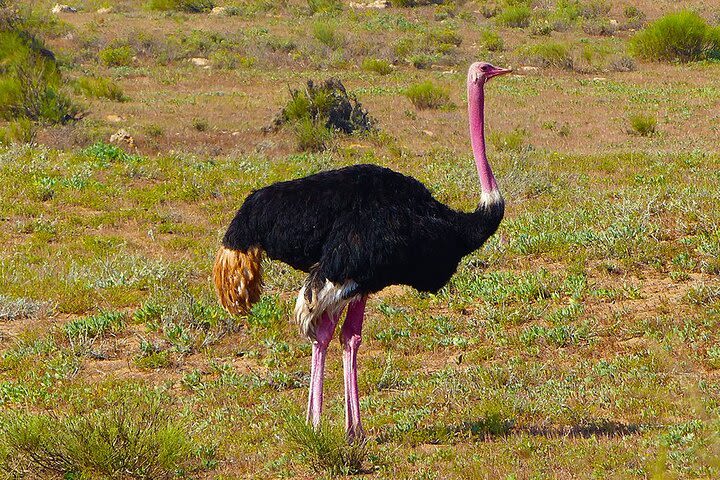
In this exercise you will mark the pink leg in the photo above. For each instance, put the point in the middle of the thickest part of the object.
(351, 338)
(323, 335)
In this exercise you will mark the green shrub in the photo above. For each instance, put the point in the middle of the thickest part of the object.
(634, 18)
(404, 47)
(683, 36)
(327, 34)
(324, 6)
(445, 36)
(643, 125)
(550, 54)
(426, 95)
(517, 16)
(30, 81)
(312, 135)
(565, 14)
(188, 6)
(121, 56)
(541, 28)
(21, 130)
(318, 111)
(631, 11)
(492, 41)
(375, 65)
(99, 87)
(228, 60)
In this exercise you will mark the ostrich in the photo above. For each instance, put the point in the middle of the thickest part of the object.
(355, 231)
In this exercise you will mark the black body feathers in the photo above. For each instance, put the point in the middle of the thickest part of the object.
(363, 223)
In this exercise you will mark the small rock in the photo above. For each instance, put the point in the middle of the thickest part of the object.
(114, 118)
(614, 22)
(59, 8)
(428, 133)
(122, 136)
(599, 79)
(376, 4)
(528, 69)
(200, 62)
(104, 11)
(218, 11)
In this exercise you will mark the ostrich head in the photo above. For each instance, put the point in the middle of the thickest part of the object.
(478, 74)
(481, 72)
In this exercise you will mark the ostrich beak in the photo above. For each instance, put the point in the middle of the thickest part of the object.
(499, 71)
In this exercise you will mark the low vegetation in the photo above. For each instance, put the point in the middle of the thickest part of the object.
(378, 66)
(30, 80)
(683, 36)
(135, 436)
(99, 87)
(325, 450)
(427, 95)
(188, 6)
(119, 56)
(517, 16)
(643, 125)
(548, 54)
(319, 111)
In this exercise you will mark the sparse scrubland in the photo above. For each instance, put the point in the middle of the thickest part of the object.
(581, 342)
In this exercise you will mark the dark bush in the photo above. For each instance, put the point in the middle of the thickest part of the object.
(318, 110)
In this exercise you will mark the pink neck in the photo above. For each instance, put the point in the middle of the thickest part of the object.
(476, 113)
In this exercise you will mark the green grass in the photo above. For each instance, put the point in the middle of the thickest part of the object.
(133, 436)
(440, 375)
(325, 449)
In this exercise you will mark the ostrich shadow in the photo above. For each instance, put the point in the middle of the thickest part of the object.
(495, 426)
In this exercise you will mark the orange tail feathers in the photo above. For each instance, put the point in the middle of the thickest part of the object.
(238, 278)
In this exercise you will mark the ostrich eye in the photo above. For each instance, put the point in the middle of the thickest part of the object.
(485, 68)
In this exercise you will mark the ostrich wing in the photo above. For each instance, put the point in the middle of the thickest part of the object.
(391, 246)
